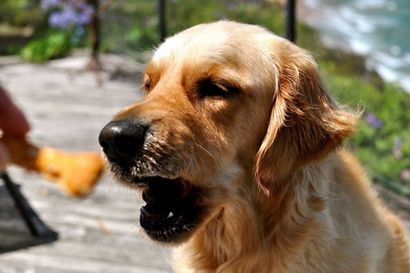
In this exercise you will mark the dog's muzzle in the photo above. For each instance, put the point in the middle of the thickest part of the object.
(172, 208)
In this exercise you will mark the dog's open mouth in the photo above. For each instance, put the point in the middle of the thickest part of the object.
(172, 208)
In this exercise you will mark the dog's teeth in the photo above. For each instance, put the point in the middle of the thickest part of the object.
(170, 215)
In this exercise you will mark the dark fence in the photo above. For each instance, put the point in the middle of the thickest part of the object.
(291, 20)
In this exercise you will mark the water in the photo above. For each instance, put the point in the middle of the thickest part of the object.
(377, 29)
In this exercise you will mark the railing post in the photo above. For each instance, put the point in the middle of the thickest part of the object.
(290, 23)
(162, 20)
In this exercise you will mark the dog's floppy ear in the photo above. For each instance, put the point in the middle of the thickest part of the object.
(305, 123)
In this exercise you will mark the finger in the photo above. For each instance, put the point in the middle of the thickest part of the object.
(13, 122)
(4, 157)
(12, 119)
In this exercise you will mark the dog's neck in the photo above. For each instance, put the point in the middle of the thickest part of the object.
(256, 224)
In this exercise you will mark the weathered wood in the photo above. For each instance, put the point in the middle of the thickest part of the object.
(67, 107)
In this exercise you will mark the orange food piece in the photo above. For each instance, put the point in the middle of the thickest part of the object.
(75, 173)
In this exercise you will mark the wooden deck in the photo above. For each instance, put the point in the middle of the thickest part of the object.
(67, 107)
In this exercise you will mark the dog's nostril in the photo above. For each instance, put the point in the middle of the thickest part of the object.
(121, 140)
(103, 143)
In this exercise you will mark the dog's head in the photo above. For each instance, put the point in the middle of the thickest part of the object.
(227, 106)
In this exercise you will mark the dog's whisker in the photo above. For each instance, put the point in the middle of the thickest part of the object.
(207, 152)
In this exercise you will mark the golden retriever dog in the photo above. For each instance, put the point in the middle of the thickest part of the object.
(236, 149)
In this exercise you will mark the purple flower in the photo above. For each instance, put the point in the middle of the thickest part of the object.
(48, 4)
(62, 18)
(68, 12)
(56, 20)
(374, 121)
(84, 15)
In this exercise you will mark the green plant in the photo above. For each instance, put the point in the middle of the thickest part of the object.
(382, 139)
(54, 44)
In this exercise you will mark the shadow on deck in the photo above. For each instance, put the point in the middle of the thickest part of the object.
(20, 225)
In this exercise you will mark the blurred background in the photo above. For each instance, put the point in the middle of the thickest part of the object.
(362, 48)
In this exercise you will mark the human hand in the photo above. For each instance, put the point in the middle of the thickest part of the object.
(4, 157)
(12, 119)
(12, 123)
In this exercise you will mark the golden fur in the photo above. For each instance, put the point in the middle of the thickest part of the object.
(281, 193)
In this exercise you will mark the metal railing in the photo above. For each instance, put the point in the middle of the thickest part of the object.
(290, 20)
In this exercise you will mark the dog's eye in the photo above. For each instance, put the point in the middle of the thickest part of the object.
(210, 88)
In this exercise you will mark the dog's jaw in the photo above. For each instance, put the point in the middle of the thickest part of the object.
(173, 208)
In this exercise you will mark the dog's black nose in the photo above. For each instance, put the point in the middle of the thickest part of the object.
(122, 139)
